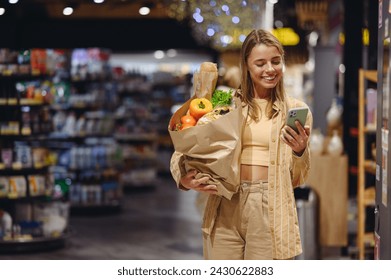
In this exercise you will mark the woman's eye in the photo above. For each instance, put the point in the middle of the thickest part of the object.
(276, 62)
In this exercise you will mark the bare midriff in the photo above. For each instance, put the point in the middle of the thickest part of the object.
(253, 172)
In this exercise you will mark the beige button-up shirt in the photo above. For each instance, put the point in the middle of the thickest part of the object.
(286, 171)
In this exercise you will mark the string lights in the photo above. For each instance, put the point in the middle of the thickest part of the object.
(223, 24)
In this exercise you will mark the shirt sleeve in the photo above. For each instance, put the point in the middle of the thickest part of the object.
(300, 168)
(177, 169)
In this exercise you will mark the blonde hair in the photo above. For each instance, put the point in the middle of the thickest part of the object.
(255, 38)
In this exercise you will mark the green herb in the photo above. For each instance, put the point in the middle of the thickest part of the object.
(221, 98)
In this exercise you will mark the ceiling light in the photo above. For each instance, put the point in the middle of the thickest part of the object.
(171, 53)
(158, 54)
(99, 1)
(2, 11)
(146, 8)
(342, 68)
(13, 1)
(144, 11)
(67, 11)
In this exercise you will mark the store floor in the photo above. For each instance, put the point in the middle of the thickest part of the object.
(159, 223)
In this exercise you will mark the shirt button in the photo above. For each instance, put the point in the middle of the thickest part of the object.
(272, 162)
(273, 140)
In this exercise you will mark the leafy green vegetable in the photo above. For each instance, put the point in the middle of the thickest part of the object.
(221, 98)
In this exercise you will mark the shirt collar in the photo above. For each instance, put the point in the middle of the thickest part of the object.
(278, 105)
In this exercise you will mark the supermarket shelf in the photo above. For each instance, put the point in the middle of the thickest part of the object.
(370, 166)
(371, 75)
(370, 128)
(136, 137)
(24, 244)
(369, 238)
(369, 196)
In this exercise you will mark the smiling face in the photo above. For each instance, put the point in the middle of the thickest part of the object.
(265, 66)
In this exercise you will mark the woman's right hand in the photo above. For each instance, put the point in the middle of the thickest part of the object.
(200, 185)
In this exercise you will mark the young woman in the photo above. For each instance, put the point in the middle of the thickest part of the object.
(260, 221)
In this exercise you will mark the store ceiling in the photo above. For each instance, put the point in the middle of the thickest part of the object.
(115, 24)
(87, 9)
(110, 9)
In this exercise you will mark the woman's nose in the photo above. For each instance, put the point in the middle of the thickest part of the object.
(269, 67)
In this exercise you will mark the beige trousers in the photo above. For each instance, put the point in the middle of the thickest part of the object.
(241, 230)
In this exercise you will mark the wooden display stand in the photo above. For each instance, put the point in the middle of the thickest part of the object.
(329, 179)
(366, 165)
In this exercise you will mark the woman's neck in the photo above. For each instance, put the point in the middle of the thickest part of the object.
(262, 93)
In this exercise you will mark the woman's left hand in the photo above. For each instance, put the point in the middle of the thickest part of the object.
(297, 141)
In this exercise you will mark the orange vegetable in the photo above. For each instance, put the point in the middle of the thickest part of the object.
(199, 107)
(186, 125)
(188, 119)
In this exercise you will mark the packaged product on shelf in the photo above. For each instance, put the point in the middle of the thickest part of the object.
(75, 194)
(37, 185)
(61, 188)
(56, 62)
(38, 61)
(24, 62)
(6, 55)
(83, 194)
(54, 217)
(91, 63)
(40, 156)
(23, 154)
(95, 195)
(195, 143)
(59, 120)
(5, 225)
(7, 157)
(30, 229)
(111, 192)
(98, 63)
(62, 93)
(12, 69)
(9, 128)
(17, 187)
(70, 124)
(4, 186)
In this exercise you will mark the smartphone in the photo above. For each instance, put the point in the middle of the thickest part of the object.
(299, 114)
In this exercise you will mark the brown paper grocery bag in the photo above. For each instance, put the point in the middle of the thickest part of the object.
(213, 148)
(204, 84)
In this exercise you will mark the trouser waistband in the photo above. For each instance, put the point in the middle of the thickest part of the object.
(259, 183)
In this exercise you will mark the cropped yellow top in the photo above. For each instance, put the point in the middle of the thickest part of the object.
(256, 135)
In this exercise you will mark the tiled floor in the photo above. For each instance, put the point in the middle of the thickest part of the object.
(159, 224)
